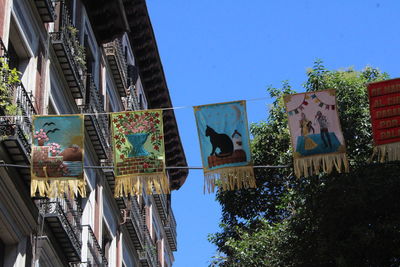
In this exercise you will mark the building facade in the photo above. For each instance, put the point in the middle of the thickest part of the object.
(92, 57)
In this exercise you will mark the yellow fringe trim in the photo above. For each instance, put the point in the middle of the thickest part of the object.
(229, 179)
(57, 187)
(387, 152)
(312, 165)
(135, 184)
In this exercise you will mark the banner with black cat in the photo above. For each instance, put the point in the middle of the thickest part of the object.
(139, 157)
(57, 156)
(316, 136)
(225, 145)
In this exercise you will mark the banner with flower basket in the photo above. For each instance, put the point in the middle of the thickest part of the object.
(57, 156)
(139, 157)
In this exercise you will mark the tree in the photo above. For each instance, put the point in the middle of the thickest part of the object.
(327, 220)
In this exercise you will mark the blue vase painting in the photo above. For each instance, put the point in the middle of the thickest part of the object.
(137, 140)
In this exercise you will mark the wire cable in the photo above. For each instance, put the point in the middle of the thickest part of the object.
(167, 168)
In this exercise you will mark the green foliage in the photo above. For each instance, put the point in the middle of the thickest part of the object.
(252, 247)
(78, 50)
(9, 78)
(326, 220)
(346, 220)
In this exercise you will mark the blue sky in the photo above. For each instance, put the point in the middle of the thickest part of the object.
(227, 50)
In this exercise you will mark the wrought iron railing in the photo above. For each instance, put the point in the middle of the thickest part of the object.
(162, 205)
(47, 5)
(150, 250)
(67, 36)
(135, 216)
(132, 99)
(95, 254)
(19, 123)
(149, 254)
(171, 222)
(115, 49)
(69, 214)
(51, 8)
(170, 229)
(3, 50)
(95, 105)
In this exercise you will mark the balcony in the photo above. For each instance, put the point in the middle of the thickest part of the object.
(133, 100)
(110, 177)
(69, 54)
(46, 10)
(134, 223)
(63, 219)
(95, 254)
(108, 172)
(170, 231)
(96, 125)
(148, 256)
(116, 60)
(15, 132)
(161, 204)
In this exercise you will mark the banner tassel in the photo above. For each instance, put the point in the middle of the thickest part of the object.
(136, 184)
(307, 166)
(229, 179)
(57, 187)
(386, 152)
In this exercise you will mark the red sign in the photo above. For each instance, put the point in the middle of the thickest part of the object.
(384, 103)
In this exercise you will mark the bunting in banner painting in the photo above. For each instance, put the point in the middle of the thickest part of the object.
(316, 135)
(57, 156)
(384, 100)
(139, 158)
(225, 145)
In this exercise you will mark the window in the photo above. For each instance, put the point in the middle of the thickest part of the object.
(2, 253)
(106, 241)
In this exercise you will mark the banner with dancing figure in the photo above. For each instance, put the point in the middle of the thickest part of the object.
(139, 158)
(57, 156)
(225, 145)
(316, 135)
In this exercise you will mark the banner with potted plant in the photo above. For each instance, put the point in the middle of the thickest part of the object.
(57, 156)
(139, 157)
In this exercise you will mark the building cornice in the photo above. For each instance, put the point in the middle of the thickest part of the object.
(141, 36)
(154, 83)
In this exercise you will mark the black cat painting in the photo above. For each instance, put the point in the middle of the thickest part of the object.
(221, 141)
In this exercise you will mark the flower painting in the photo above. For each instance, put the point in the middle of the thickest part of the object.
(138, 146)
(134, 130)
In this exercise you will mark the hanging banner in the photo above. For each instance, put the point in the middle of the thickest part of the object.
(225, 145)
(139, 158)
(57, 156)
(384, 101)
(316, 135)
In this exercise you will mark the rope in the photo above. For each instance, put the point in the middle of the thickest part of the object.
(168, 168)
(107, 113)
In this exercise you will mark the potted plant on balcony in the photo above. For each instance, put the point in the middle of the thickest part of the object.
(78, 51)
(8, 79)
